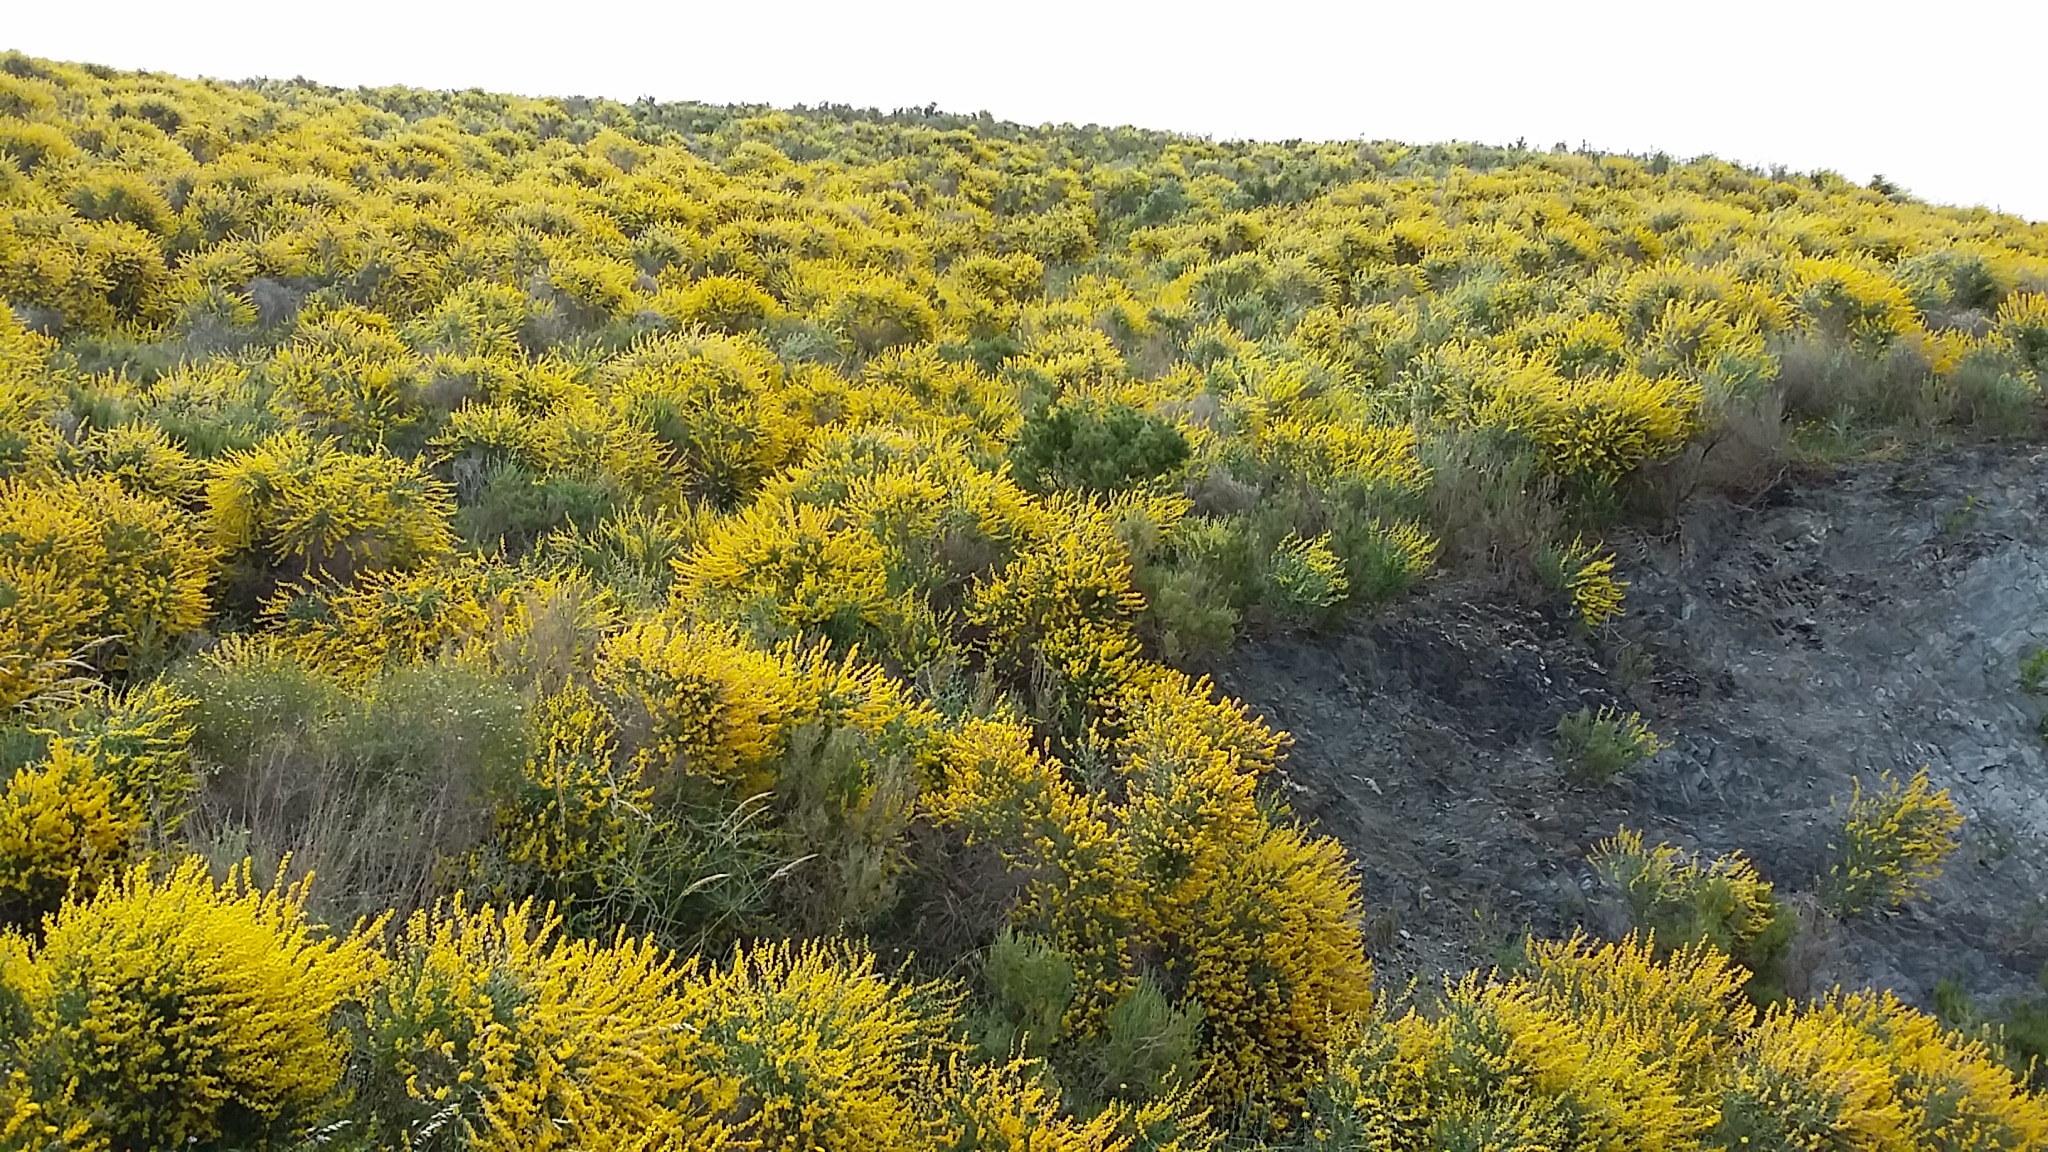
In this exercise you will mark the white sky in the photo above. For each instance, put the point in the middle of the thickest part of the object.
(1946, 99)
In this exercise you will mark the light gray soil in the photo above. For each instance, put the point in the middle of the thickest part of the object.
(1844, 626)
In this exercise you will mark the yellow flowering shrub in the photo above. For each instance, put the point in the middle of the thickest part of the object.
(1256, 922)
(729, 304)
(494, 1031)
(64, 827)
(713, 707)
(1308, 576)
(1584, 571)
(704, 705)
(810, 566)
(349, 376)
(573, 808)
(1955, 1092)
(1810, 1080)
(1602, 427)
(141, 741)
(26, 397)
(571, 437)
(874, 540)
(352, 630)
(1594, 427)
(177, 1012)
(1851, 299)
(1892, 844)
(1065, 610)
(1267, 940)
(715, 403)
(1082, 891)
(1682, 900)
(305, 507)
(2022, 322)
(1594, 1047)
(731, 407)
(144, 460)
(1009, 1108)
(825, 1051)
(91, 576)
(1610, 1046)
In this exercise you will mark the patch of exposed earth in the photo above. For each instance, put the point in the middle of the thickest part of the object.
(1869, 621)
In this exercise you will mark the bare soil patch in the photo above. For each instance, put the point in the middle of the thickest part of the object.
(1870, 620)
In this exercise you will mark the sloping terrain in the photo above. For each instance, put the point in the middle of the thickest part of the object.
(1847, 626)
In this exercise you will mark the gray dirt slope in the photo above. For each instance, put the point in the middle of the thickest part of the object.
(1839, 627)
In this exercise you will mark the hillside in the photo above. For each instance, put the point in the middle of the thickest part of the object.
(534, 623)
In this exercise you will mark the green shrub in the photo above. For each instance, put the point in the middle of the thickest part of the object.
(509, 507)
(2034, 671)
(1305, 579)
(1094, 446)
(386, 789)
(1190, 614)
(1030, 985)
(1683, 900)
(1148, 1046)
(2017, 1029)
(1892, 843)
(2023, 1032)
(1600, 745)
(1382, 559)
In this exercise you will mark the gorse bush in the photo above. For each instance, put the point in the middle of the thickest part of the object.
(1683, 901)
(63, 828)
(1606, 1046)
(1601, 744)
(639, 549)
(491, 1031)
(1582, 572)
(92, 577)
(1892, 843)
(111, 783)
(180, 1013)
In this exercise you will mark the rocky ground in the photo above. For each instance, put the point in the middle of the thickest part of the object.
(1837, 627)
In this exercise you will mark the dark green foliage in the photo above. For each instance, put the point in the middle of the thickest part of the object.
(2034, 671)
(1149, 1046)
(507, 507)
(1030, 984)
(1094, 446)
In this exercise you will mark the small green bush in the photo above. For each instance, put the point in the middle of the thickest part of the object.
(1600, 745)
(1683, 900)
(508, 507)
(2034, 671)
(1305, 580)
(1094, 446)
(2023, 1032)
(1893, 842)
(1030, 984)
(1148, 1047)
(2018, 1029)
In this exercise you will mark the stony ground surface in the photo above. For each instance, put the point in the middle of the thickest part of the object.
(1838, 627)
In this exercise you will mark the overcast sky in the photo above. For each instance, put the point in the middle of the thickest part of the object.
(1946, 99)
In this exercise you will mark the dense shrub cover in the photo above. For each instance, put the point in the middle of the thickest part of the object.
(718, 593)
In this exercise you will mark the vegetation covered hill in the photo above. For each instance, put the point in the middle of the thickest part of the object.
(715, 597)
